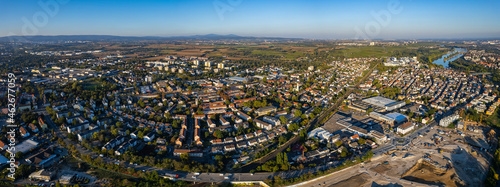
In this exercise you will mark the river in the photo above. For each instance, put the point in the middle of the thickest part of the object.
(445, 63)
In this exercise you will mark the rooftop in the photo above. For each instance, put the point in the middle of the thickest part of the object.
(397, 116)
(380, 101)
(406, 125)
(24, 147)
(3, 160)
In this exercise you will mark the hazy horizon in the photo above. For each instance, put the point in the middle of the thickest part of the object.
(391, 19)
(305, 38)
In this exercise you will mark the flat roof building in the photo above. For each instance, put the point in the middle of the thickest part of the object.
(3, 160)
(397, 117)
(405, 128)
(238, 79)
(24, 147)
(381, 117)
(382, 102)
(42, 175)
(265, 110)
(320, 133)
(66, 178)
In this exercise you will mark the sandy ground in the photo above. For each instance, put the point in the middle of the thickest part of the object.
(357, 180)
(427, 174)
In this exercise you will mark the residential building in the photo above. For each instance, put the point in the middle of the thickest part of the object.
(405, 128)
(263, 125)
(265, 110)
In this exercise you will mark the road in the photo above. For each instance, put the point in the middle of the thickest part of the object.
(309, 127)
(226, 177)
(407, 140)
(339, 178)
(220, 177)
(187, 176)
(261, 176)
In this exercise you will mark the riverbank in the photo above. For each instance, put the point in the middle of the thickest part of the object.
(444, 60)
(453, 55)
(461, 64)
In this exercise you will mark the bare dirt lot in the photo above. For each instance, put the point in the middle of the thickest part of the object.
(357, 180)
(381, 168)
(451, 162)
(428, 174)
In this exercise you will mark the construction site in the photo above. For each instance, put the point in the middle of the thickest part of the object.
(442, 157)
(437, 157)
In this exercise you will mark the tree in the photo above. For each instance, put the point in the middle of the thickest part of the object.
(218, 157)
(140, 134)
(338, 143)
(241, 130)
(167, 115)
(303, 116)
(19, 155)
(114, 132)
(361, 141)
(285, 159)
(298, 113)
(111, 152)
(368, 155)
(218, 134)
(23, 171)
(282, 140)
(344, 152)
(176, 124)
(207, 134)
(303, 133)
(293, 127)
(184, 157)
(95, 136)
(283, 120)
(369, 111)
(199, 111)
(276, 168)
(141, 103)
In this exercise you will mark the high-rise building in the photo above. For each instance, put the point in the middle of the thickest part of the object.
(208, 63)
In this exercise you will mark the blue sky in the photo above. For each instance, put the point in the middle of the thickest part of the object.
(291, 18)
